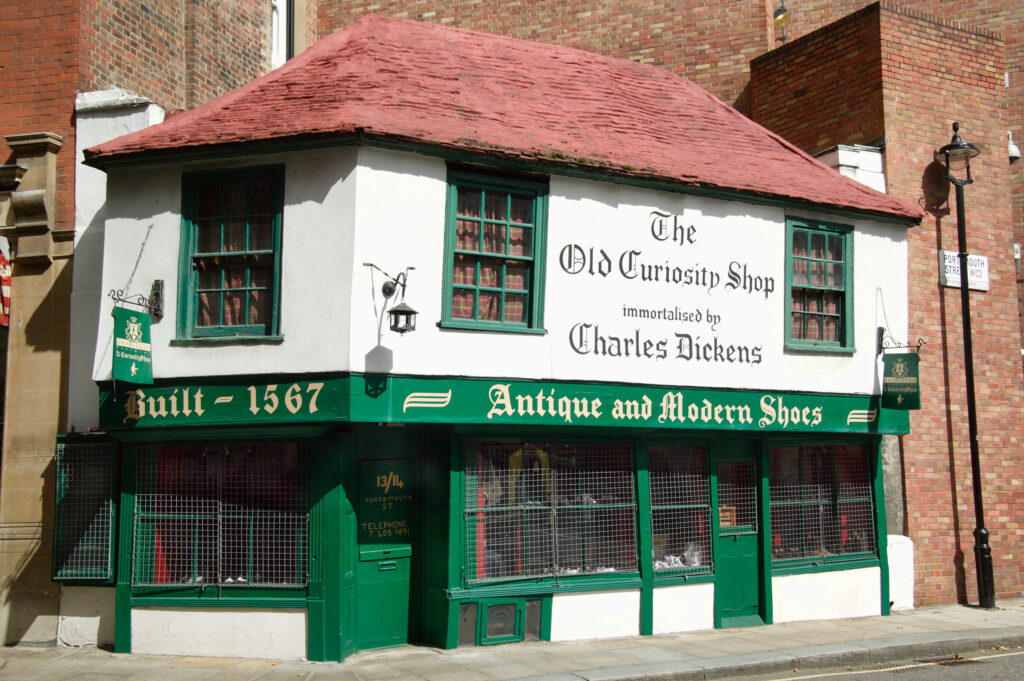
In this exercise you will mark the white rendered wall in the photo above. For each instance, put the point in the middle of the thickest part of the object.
(220, 632)
(601, 614)
(837, 594)
(686, 607)
(86, 616)
(345, 207)
(901, 572)
(99, 117)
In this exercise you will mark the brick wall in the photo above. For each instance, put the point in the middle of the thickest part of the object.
(179, 54)
(918, 77)
(711, 46)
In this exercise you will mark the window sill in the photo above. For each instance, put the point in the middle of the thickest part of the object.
(494, 328)
(228, 340)
(794, 346)
(832, 566)
(533, 586)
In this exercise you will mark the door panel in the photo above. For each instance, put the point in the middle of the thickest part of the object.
(738, 588)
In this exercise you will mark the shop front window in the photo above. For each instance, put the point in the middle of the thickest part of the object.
(546, 510)
(222, 515)
(821, 504)
(680, 510)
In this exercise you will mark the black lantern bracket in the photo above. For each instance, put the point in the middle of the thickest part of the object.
(885, 343)
(154, 304)
(402, 318)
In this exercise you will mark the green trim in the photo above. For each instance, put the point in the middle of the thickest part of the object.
(187, 327)
(123, 591)
(764, 509)
(531, 587)
(493, 158)
(221, 433)
(216, 602)
(645, 537)
(537, 228)
(227, 340)
(809, 568)
(881, 524)
(846, 232)
(686, 578)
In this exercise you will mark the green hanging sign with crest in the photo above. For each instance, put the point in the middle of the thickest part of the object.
(900, 385)
(133, 356)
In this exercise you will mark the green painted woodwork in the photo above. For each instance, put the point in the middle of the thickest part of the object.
(497, 259)
(765, 563)
(843, 234)
(738, 574)
(326, 398)
(231, 253)
(126, 520)
(644, 539)
(881, 525)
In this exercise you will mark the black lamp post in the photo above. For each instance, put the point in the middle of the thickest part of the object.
(956, 155)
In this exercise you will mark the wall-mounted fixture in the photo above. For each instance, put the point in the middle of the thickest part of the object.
(402, 318)
(781, 16)
(1013, 149)
(154, 304)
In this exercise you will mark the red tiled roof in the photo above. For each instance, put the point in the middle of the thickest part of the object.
(423, 83)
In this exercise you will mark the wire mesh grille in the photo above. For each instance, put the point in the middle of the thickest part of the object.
(821, 504)
(549, 509)
(226, 515)
(680, 510)
(737, 496)
(84, 513)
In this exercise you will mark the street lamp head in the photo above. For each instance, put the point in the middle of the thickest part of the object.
(957, 154)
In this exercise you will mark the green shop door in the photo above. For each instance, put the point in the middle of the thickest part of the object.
(385, 552)
(738, 574)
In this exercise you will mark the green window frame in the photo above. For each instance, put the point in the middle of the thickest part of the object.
(230, 270)
(819, 286)
(223, 515)
(84, 511)
(821, 504)
(538, 510)
(495, 234)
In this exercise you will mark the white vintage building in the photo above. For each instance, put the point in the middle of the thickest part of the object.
(643, 380)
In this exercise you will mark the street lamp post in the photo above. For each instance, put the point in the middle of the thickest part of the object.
(959, 153)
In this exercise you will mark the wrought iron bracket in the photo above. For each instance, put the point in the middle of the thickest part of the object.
(884, 342)
(154, 304)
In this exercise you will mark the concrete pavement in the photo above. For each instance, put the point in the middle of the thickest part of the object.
(918, 634)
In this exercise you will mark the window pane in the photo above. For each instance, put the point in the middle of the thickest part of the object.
(812, 327)
(831, 302)
(469, 202)
(800, 243)
(680, 509)
(515, 308)
(208, 201)
(831, 330)
(467, 235)
(522, 209)
(261, 197)
(812, 301)
(490, 273)
(235, 276)
(818, 245)
(208, 313)
(261, 234)
(495, 206)
(494, 238)
(520, 241)
(490, 306)
(261, 275)
(835, 276)
(817, 274)
(208, 236)
(209, 273)
(516, 275)
(800, 273)
(835, 248)
(462, 304)
(235, 195)
(464, 271)
(234, 308)
(259, 307)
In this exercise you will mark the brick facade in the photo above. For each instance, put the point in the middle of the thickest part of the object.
(897, 84)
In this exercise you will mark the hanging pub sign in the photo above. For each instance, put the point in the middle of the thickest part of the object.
(900, 387)
(133, 357)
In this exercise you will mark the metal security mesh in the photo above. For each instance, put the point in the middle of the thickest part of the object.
(680, 510)
(84, 515)
(225, 515)
(547, 509)
(821, 504)
(737, 497)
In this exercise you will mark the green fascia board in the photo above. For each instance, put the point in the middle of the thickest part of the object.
(319, 400)
(496, 158)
